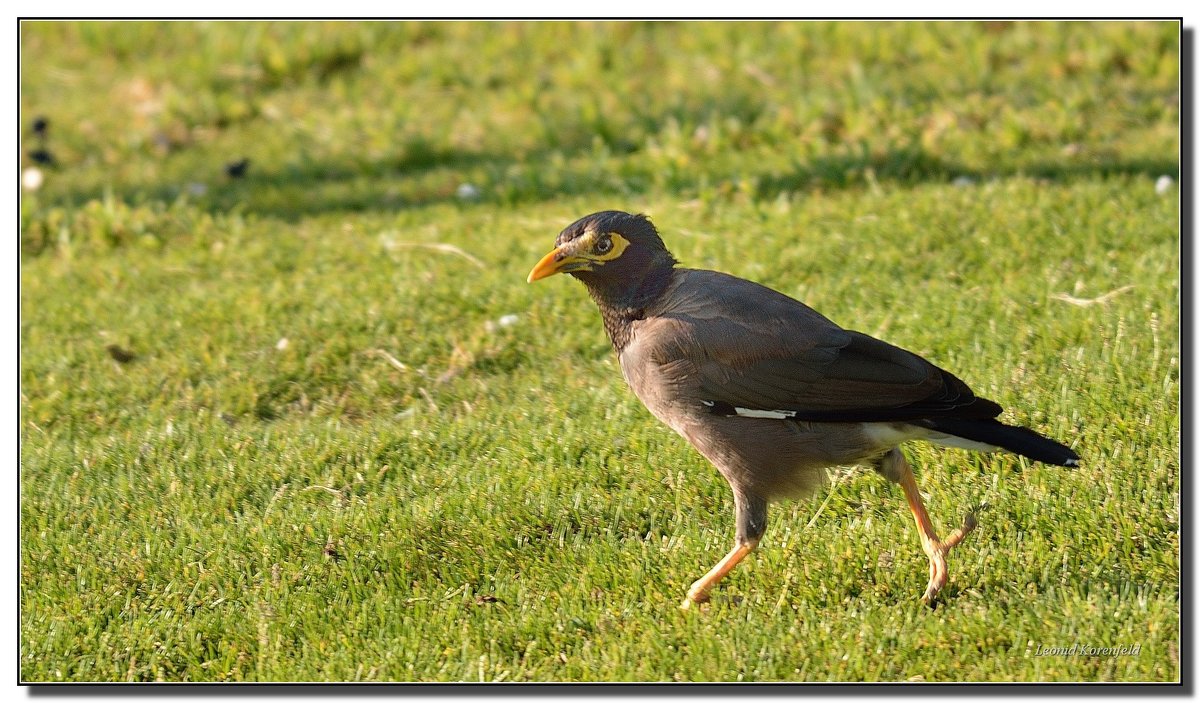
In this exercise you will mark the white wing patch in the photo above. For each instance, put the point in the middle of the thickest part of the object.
(764, 414)
(761, 414)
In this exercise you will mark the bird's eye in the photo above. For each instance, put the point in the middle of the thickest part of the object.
(604, 245)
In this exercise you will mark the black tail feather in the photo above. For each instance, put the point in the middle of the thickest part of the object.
(1019, 440)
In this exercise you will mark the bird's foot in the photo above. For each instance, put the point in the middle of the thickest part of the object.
(698, 593)
(936, 549)
(694, 598)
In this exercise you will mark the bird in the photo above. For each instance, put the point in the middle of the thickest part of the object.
(770, 391)
(40, 125)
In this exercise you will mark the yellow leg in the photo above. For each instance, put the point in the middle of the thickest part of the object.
(698, 593)
(935, 548)
(897, 468)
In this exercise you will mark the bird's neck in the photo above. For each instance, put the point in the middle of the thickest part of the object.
(622, 305)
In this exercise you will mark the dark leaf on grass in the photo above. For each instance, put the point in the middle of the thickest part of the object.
(237, 169)
(120, 354)
(42, 156)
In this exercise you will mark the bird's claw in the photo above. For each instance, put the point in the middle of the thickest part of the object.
(936, 549)
(693, 600)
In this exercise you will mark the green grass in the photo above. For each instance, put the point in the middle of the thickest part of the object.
(499, 506)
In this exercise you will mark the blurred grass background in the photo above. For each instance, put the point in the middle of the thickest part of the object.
(352, 444)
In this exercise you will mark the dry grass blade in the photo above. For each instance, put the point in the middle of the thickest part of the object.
(837, 480)
(428, 399)
(399, 365)
(1085, 302)
(440, 247)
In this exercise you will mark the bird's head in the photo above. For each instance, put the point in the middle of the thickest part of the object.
(609, 247)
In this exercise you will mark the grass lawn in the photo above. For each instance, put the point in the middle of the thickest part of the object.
(353, 444)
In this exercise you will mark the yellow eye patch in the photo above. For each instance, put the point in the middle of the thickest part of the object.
(617, 247)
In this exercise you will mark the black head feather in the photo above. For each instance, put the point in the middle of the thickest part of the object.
(636, 228)
(646, 252)
(623, 287)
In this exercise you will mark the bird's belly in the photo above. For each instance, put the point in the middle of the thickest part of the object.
(766, 457)
(779, 458)
(774, 459)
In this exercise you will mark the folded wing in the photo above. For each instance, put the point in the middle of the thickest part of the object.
(753, 349)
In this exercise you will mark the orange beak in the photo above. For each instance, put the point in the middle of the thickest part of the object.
(558, 261)
(546, 267)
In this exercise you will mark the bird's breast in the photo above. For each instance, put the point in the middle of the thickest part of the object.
(667, 390)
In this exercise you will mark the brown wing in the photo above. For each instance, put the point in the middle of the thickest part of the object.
(755, 349)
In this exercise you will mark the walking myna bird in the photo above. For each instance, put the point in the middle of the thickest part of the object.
(769, 390)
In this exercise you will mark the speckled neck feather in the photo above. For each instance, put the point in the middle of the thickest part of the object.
(622, 302)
